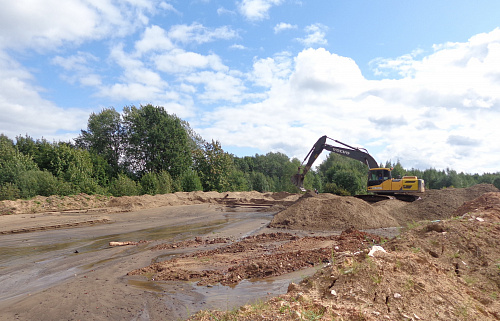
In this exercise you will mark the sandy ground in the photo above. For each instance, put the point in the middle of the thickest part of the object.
(198, 251)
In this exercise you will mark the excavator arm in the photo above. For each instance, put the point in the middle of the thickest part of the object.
(360, 154)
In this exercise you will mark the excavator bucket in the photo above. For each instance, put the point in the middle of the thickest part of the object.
(298, 180)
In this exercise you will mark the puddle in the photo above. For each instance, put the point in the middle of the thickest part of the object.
(249, 291)
(165, 257)
(146, 285)
(228, 297)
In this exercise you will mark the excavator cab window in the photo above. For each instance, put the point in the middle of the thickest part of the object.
(377, 176)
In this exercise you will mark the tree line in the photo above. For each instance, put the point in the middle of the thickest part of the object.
(146, 150)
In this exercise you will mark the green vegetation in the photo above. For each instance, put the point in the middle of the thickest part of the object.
(146, 150)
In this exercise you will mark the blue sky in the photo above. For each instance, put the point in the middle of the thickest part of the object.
(414, 81)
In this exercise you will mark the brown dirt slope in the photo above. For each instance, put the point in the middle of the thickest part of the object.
(331, 212)
(439, 204)
(445, 270)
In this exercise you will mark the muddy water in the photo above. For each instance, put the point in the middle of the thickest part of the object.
(31, 262)
(226, 297)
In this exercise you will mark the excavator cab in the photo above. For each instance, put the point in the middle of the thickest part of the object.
(378, 175)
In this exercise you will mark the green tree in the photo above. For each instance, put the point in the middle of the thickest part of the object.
(213, 166)
(165, 183)
(12, 162)
(103, 137)
(150, 184)
(9, 191)
(258, 182)
(238, 181)
(348, 181)
(35, 182)
(74, 166)
(123, 186)
(190, 181)
(496, 182)
(155, 141)
(195, 141)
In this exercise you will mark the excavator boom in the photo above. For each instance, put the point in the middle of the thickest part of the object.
(360, 154)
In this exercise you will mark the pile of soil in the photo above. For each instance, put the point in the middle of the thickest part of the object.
(326, 212)
(439, 204)
(443, 270)
(331, 212)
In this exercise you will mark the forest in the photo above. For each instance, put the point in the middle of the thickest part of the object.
(146, 150)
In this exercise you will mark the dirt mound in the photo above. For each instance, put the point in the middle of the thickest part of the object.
(486, 204)
(439, 204)
(330, 212)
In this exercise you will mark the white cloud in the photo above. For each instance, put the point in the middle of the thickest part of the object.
(255, 10)
(316, 35)
(77, 69)
(137, 83)
(197, 33)
(238, 47)
(47, 24)
(282, 26)
(180, 61)
(223, 11)
(168, 7)
(154, 38)
(270, 72)
(218, 86)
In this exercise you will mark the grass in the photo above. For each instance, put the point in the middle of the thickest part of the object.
(410, 284)
(415, 249)
(316, 313)
(376, 279)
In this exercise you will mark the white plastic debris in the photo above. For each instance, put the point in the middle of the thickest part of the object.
(333, 292)
(397, 295)
(375, 249)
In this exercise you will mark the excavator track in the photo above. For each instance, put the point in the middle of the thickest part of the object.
(373, 198)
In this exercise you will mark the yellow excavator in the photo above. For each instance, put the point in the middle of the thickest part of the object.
(380, 180)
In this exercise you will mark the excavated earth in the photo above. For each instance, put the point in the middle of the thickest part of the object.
(443, 265)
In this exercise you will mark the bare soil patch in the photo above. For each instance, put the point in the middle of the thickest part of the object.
(257, 256)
